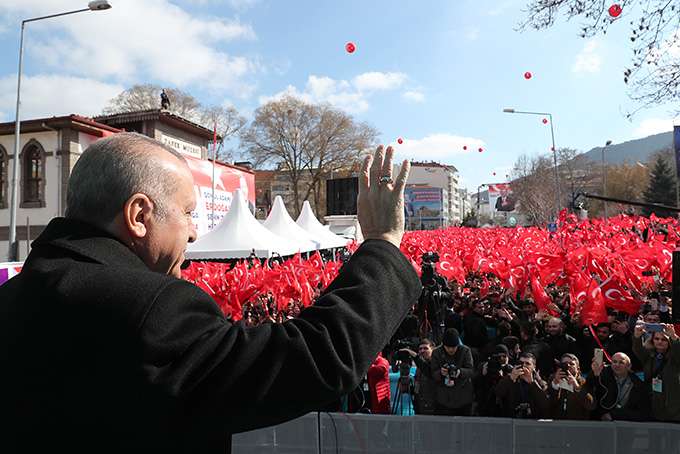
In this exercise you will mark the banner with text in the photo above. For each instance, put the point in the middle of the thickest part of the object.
(501, 198)
(227, 180)
(423, 207)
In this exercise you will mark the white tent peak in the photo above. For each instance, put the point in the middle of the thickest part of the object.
(280, 222)
(308, 221)
(238, 235)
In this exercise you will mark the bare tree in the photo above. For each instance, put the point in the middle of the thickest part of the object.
(533, 185)
(654, 72)
(308, 141)
(228, 122)
(148, 96)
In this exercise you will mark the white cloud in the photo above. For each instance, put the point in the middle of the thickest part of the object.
(589, 59)
(135, 40)
(350, 96)
(414, 96)
(652, 126)
(375, 81)
(439, 147)
(50, 95)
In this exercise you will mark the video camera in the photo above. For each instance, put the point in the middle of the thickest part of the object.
(494, 365)
(452, 370)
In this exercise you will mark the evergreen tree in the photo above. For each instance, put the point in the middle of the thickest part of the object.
(661, 188)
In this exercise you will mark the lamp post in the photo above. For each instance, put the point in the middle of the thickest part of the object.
(554, 150)
(13, 253)
(604, 178)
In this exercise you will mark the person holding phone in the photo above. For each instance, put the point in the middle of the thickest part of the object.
(522, 393)
(569, 398)
(660, 356)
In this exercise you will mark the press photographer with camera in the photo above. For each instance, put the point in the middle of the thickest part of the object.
(522, 393)
(569, 397)
(487, 378)
(619, 393)
(432, 304)
(453, 369)
(425, 386)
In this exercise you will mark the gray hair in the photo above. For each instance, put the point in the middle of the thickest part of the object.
(111, 170)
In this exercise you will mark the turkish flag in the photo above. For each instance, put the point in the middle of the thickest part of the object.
(541, 298)
(593, 310)
(578, 292)
(617, 297)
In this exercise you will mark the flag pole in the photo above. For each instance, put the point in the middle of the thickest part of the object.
(212, 220)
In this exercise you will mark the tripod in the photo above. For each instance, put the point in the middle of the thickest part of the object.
(404, 387)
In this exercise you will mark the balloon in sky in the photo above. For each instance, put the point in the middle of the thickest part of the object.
(464, 147)
(545, 121)
(350, 47)
(480, 149)
(494, 174)
(615, 10)
(400, 140)
(527, 75)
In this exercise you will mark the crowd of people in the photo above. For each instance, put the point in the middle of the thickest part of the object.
(498, 355)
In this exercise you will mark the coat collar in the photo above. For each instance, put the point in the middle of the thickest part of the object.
(86, 240)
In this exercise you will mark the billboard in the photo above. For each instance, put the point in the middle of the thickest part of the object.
(8, 270)
(423, 207)
(227, 180)
(501, 199)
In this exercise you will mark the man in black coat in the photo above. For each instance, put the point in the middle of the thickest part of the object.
(105, 349)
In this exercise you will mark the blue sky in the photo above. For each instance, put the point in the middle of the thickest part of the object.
(437, 73)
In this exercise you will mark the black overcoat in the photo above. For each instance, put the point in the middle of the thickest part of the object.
(100, 354)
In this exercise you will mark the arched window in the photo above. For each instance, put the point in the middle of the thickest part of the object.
(33, 175)
(4, 177)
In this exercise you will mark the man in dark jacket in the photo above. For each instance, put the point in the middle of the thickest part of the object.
(452, 368)
(104, 349)
(619, 393)
(522, 393)
(559, 341)
(474, 327)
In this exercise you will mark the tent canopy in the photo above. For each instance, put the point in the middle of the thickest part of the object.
(280, 222)
(238, 235)
(319, 232)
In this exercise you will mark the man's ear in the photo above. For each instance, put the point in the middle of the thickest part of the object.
(137, 213)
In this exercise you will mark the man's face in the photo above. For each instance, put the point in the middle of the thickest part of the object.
(571, 365)
(478, 308)
(502, 358)
(425, 351)
(450, 350)
(529, 309)
(620, 365)
(603, 333)
(554, 327)
(652, 318)
(527, 363)
(167, 237)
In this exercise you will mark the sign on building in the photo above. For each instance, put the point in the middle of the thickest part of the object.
(423, 208)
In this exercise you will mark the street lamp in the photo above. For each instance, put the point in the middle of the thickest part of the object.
(604, 178)
(13, 253)
(554, 150)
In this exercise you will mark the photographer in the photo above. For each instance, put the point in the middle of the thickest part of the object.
(452, 367)
(569, 398)
(432, 304)
(425, 386)
(619, 393)
(490, 373)
(521, 394)
(476, 334)
(660, 357)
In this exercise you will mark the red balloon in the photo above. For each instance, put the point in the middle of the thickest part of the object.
(350, 47)
(480, 149)
(494, 174)
(400, 141)
(552, 148)
(615, 10)
(545, 121)
(464, 147)
(527, 75)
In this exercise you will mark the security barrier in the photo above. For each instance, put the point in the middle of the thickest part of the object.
(330, 433)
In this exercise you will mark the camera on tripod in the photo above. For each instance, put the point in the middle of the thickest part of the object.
(430, 258)
(494, 366)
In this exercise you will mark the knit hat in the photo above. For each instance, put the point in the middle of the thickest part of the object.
(451, 338)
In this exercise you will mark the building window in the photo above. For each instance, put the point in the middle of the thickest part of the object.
(33, 175)
(4, 177)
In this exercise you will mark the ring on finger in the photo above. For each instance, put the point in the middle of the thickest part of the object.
(386, 179)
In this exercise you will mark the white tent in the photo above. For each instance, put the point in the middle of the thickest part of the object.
(280, 222)
(327, 239)
(238, 235)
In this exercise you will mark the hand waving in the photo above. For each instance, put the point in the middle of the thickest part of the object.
(380, 205)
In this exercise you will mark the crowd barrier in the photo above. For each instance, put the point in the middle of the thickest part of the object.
(330, 433)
